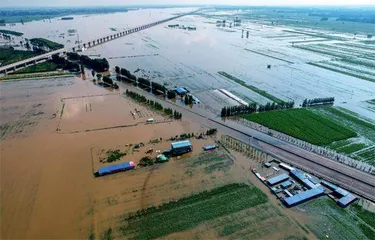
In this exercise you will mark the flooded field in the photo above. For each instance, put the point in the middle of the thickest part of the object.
(56, 132)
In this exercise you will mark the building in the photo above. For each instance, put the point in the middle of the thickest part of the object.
(286, 167)
(267, 164)
(345, 201)
(114, 168)
(303, 196)
(286, 184)
(278, 179)
(179, 148)
(210, 147)
(181, 91)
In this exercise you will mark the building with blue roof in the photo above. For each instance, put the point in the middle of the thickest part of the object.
(286, 184)
(278, 179)
(181, 91)
(179, 148)
(115, 168)
(303, 196)
(345, 201)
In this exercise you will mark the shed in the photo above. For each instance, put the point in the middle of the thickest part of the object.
(314, 180)
(345, 201)
(178, 148)
(267, 164)
(210, 147)
(329, 185)
(341, 192)
(303, 196)
(181, 91)
(286, 167)
(115, 168)
(286, 184)
(308, 183)
(162, 158)
(278, 179)
(298, 175)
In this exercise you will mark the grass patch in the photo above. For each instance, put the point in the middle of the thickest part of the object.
(342, 72)
(325, 217)
(114, 155)
(253, 88)
(107, 235)
(14, 33)
(367, 216)
(8, 56)
(47, 66)
(352, 148)
(187, 213)
(303, 124)
(41, 42)
(34, 76)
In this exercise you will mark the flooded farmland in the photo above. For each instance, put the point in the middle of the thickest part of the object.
(56, 132)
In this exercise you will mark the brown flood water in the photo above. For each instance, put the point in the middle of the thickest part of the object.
(48, 157)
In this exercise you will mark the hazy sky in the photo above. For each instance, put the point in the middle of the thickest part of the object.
(17, 3)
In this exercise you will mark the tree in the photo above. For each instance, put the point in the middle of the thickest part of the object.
(186, 99)
(99, 76)
(82, 69)
(117, 69)
(27, 45)
(93, 73)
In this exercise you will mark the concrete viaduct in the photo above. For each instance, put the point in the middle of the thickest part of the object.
(92, 43)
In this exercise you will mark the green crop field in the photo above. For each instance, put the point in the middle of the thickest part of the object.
(41, 42)
(40, 67)
(14, 33)
(187, 213)
(303, 124)
(8, 56)
(326, 218)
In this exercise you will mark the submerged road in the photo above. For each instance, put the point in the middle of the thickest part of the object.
(347, 177)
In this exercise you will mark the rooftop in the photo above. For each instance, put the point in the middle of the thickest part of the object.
(180, 144)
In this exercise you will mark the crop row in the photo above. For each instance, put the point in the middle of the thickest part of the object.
(303, 124)
(189, 212)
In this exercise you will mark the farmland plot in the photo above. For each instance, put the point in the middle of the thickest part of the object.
(304, 125)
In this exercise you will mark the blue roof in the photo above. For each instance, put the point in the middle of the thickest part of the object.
(277, 179)
(329, 185)
(116, 167)
(210, 147)
(180, 144)
(314, 180)
(308, 183)
(298, 174)
(303, 196)
(341, 192)
(286, 184)
(345, 201)
(267, 164)
(181, 90)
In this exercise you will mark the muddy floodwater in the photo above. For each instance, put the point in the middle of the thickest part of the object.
(55, 131)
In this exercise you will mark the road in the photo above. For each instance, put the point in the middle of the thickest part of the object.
(349, 178)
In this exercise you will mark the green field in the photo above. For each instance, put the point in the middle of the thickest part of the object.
(35, 76)
(41, 42)
(253, 88)
(303, 124)
(325, 218)
(14, 33)
(8, 56)
(40, 67)
(352, 148)
(187, 213)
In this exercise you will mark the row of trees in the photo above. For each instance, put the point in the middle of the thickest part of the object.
(126, 76)
(97, 64)
(318, 101)
(65, 64)
(155, 105)
(253, 108)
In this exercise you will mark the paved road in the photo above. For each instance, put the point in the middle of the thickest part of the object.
(349, 178)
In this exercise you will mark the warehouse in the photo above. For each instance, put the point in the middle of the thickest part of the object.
(114, 168)
(348, 199)
(303, 196)
(179, 148)
(286, 167)
(278, 179)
